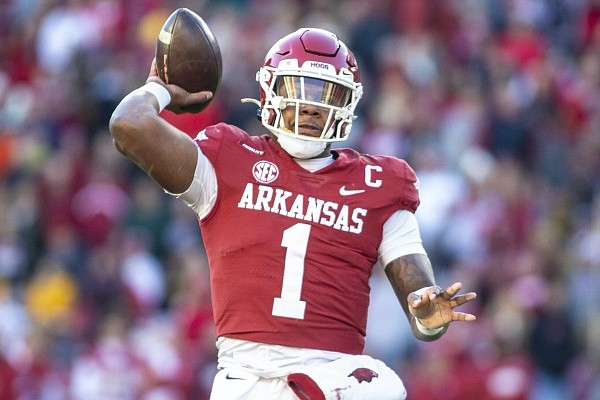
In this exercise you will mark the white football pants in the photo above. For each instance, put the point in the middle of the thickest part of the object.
(347, 378)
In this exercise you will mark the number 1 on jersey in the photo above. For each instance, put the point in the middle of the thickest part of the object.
(295, 240)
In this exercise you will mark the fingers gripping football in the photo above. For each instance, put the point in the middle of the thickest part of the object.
(181, 100)
(434, 307)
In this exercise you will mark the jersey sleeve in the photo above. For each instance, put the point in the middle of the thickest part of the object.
(211, 139)
(410, 196)
(201, 195)
(401, 236)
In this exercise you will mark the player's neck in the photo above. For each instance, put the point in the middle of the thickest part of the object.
(315, 164)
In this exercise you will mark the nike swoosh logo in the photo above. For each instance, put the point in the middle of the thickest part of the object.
(233, 377)
(350, 192)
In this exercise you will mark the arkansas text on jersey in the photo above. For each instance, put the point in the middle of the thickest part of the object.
(283, 202)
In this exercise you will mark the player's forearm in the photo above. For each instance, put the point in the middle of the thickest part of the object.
(408, 274)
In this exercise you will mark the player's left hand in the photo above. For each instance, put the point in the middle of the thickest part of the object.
(435, 307)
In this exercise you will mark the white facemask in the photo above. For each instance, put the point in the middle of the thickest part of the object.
(299, 148)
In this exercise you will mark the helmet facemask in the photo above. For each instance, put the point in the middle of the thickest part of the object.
(314, 84)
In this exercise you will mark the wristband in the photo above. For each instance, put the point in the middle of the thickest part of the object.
(422, 291)
(427, 331)
(160, 92)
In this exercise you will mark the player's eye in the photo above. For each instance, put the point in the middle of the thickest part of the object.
(312, 89)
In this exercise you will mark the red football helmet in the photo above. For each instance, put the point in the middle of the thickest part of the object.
(310, 66)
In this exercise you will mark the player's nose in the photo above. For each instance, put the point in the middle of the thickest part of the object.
(312, 110)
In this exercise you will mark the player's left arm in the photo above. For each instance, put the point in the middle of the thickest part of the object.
(428, 308)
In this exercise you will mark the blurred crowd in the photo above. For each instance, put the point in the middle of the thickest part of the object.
(104, 287)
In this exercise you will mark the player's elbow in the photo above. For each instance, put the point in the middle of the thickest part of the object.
(121, 128)
(127, 132)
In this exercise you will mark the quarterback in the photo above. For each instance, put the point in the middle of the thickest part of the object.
(292, 227)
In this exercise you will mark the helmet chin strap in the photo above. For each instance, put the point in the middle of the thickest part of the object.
(299, 148)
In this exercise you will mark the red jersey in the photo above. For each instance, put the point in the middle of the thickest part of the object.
(291, 251)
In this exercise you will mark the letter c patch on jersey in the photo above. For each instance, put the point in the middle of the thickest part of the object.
(265, 171)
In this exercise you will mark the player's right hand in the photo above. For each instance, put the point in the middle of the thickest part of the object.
(180, 98)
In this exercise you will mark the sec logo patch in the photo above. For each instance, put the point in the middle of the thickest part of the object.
(265, 171)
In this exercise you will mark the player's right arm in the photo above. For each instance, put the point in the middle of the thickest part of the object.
(164, 152)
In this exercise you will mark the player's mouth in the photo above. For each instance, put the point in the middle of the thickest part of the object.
(311, 130)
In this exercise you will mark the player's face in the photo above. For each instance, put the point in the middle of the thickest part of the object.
(311, 119)
(304, 95)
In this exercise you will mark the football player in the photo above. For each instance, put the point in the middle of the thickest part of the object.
(292, 228)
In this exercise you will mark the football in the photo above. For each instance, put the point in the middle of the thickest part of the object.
(188, 54)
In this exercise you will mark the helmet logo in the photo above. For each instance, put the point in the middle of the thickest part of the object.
(289, 63)
(315, 64)
(319, 67)
(265, 171)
